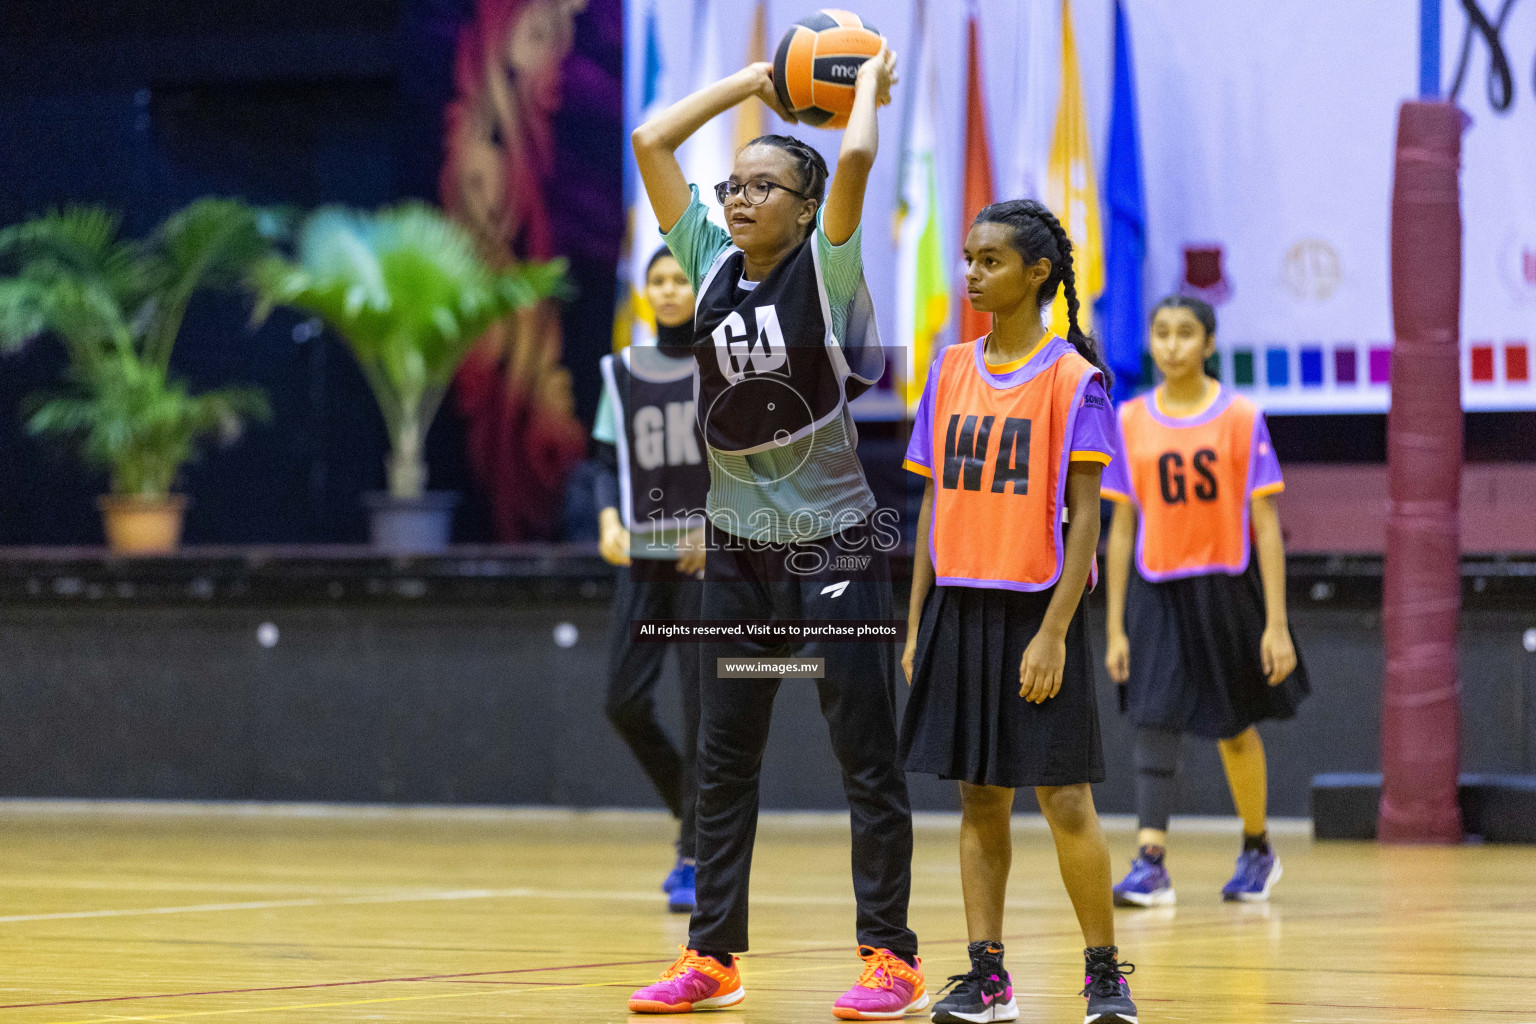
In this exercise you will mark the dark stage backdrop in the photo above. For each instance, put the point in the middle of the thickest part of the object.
(144, 108)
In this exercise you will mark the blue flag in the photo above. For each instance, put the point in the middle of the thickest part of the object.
(1120, 311)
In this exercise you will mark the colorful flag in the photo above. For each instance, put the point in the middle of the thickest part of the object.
(749, 115)
(1120, 310)
(922, 290)
(633, 320)
(978, 175)
(1071, 190)
(707, 156)
(1032, 109)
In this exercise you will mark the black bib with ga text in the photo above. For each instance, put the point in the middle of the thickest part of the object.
(770, 370)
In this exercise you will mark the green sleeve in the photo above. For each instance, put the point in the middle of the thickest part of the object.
(842, 268)
(696, 241)
(603, 427)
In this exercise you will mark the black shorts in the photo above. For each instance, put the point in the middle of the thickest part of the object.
(965, 719)
(1196, 664)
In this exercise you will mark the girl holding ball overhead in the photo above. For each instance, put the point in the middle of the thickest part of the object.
(1198, 636)
(784, 339)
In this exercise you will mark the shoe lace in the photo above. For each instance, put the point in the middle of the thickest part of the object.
(880, 967)
(1105, 976)
(959, 981)
(691, 961)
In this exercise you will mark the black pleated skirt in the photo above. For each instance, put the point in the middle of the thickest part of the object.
(1196, 665)
(965, 719)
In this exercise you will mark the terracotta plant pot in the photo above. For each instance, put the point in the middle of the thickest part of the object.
(137, 525)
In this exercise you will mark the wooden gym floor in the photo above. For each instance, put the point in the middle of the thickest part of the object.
(128, 913)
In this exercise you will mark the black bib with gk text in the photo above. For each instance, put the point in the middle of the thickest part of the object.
(663, 475)
(770, 370)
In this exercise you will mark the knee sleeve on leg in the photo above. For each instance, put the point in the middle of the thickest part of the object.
(1157, 769)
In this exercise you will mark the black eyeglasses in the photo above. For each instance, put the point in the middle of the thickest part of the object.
(754, 192)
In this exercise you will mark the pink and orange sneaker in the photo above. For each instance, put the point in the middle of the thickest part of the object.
(693, 982)
(889, 989)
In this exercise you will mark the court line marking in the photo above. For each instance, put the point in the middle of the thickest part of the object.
(430, 977)
(23, 807)
(511, 893)
(557, 986)
(414, 896)
(397, 999)
(418, 896)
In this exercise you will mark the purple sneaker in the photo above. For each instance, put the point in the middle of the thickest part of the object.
(1256, 874)
(1147, 884)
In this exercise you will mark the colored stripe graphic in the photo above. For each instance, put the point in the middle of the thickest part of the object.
(1345, 365)
(1482, 363)
(1242, 367)
(1517, 363)
(1277, 368)
(1312, 367)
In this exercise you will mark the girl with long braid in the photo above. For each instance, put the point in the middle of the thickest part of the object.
(1012, 432)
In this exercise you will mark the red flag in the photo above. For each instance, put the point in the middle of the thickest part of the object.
(978, 178)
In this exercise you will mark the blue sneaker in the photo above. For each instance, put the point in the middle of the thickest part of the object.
(674, 877)
(1147, 885)
(683, 897)
(1256, 874)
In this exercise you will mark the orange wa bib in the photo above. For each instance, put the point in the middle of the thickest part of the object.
(999, 470)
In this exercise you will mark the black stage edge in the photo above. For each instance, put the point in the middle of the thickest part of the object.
(1494, 808)
(478, 676)
(513, 573)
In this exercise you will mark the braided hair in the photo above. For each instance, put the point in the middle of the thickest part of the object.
(1036, 234)
(809, 165)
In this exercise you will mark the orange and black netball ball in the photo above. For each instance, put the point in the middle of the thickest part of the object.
(817, 62)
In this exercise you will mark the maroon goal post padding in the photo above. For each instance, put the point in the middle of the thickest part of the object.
(1421, 597)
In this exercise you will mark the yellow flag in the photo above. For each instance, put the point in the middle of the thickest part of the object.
(749, 115)
(1072, 190)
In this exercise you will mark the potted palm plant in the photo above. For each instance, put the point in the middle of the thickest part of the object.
(117, 307)
(408, 293)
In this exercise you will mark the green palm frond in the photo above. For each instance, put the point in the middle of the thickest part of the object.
(213, 243)
(141, 426)
(81, 241)
(80, 310)
(408, 292)
(117, 307)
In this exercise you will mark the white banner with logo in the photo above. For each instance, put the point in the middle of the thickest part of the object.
(1267, 144)
(1268, 134)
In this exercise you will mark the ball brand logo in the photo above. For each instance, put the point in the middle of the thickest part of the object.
(1204, 276)
(844, 70)
(740, 351)
(1311, 270)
